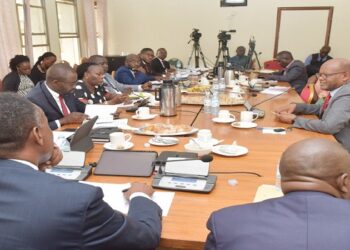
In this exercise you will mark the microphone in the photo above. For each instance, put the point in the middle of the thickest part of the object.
(203, 158)
(273, 97)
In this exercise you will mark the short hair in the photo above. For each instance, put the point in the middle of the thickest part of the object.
(43, 56)
(84, 67)
(18, 59)
(144, 50)
(18, 116)
(59, 72)
(96, 58)
(285, 52)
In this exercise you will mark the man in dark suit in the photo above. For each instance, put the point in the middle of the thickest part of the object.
(334, 113)
(159, 65)
(294, 71)
(41, 211)
(314, 213)
(314, 62)
(55, 97)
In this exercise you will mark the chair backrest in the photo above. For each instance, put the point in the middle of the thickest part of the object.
(272, 64)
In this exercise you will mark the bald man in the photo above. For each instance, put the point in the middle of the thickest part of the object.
(313, 214)
(55, 97)
(130, 74)
(334, 114)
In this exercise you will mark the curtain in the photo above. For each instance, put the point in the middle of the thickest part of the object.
(90, 26)
(27, 31)
(101, 25)
(10, 43)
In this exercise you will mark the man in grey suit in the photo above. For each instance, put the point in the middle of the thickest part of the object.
(294, 71)
(314, 213)
(42, 211)
(334, 114)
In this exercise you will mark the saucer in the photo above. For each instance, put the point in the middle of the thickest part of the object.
(244, 124)
(126, 146)
(213, 141)
(220, 120)
(148, 117)
(239, 150)
(164, 141)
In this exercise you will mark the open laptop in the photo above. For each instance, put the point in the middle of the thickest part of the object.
(80, 140)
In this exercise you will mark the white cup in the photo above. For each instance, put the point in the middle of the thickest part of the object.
(248, 116)
(118, 139)
(143, 112)
(225, 115)
(204, 135)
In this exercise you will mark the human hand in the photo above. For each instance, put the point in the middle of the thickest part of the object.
(117, 98)
(127, 91)
(286, 108)
(74, 117)
(146, 86)
(138, 187)
(286, 117)
(56, 157)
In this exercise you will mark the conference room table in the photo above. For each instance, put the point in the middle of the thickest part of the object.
(185, 225)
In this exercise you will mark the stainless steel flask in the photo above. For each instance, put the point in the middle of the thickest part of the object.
(166, 95)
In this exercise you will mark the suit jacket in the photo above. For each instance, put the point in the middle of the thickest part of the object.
(157, 66)
(125, 76)
(295, 74)
(41, 96)
(42, 211)
(299, 220)
(335, 120)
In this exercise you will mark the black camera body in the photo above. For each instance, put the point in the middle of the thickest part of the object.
(223, 36)
(196, 35)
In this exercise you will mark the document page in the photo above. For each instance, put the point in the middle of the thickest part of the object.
(114, 196)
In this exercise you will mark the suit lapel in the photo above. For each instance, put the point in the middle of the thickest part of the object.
(50, 99)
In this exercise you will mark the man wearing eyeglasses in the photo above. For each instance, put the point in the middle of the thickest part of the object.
(334, 113)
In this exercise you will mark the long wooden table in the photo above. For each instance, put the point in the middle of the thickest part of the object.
(185, 225)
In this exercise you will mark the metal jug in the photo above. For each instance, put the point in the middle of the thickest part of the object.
(229, 75)
(177, 95)
(166, 95)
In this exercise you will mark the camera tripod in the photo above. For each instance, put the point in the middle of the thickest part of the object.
(224, 52)
(197, 51)
(252, 52)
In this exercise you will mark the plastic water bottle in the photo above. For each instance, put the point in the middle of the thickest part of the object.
(63, 143)
(215, 103)
(215, 86)
(207, 103)
(221, 84)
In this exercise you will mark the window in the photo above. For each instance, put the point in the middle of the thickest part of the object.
(38, 25)
(68, 30)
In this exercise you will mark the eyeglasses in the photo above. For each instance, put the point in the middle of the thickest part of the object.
(319, 75)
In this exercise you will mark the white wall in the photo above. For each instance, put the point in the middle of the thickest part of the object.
(134, 24)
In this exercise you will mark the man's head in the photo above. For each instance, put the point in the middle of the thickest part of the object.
(61, 78)
(316, 165)
(101, 60)
(147, 55)
(162, 53)
(240, 51)
(334, 73)
(324, 51)
(132, 61)
(284, 58)
(24, 130)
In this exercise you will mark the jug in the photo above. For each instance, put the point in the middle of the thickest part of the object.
(166, 95)
(177, 95)
(229, 75)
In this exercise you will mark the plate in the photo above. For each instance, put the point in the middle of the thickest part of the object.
(127, 146)
(244, 125)
(167, 141)
(140, 132)
(220, 120)
(149, 117)
(240, 150)
(213, 141)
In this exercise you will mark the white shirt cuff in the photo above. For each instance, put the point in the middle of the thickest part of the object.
(138, 194)
(58, 123)
(139, 88)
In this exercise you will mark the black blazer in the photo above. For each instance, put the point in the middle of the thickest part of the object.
(41, 96)
(158, 68)
(11, 82)
(47, 212)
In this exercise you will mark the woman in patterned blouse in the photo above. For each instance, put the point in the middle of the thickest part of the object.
(90, 90)
(17, 80)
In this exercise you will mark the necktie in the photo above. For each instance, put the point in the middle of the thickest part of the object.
(63, 106)
(325, 104)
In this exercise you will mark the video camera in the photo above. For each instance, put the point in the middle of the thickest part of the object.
(195, 35)
(223, 36)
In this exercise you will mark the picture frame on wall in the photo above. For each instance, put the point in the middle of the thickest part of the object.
(228, 3)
